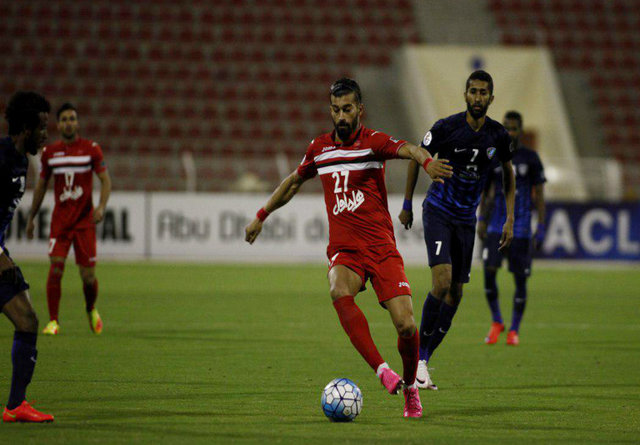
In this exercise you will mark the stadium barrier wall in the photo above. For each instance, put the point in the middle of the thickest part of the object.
(210, 227)
(433, 79)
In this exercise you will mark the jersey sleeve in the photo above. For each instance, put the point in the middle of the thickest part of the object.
(384, 146)
(307, 168)
(434, 138)
(97, 158)
(537, 170)
(45, 171)
(505, 147)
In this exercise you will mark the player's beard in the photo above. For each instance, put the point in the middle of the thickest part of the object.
(344, 130)
(475, 113)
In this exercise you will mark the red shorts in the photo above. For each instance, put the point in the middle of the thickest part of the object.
(382, 265)
(84, 246)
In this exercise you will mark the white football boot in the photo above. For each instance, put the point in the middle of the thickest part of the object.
(422, 377)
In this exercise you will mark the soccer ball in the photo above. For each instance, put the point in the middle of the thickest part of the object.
(341, 400)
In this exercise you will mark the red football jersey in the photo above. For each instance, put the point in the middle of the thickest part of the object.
(355, 193)
(72, 166)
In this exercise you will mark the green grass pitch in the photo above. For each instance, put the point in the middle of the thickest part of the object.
(240, 353)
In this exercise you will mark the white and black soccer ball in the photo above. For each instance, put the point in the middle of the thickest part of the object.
(341, 400)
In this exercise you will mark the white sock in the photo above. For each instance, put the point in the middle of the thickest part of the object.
(380, 368)
(414, 386)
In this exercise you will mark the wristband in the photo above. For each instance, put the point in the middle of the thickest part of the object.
(481, 218)
(425, 163)
(407, 205)
(262, 214)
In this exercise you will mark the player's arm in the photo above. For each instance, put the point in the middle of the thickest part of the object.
(36, 202)
(542, 214)
(280, 196)
(509, 184)
(436, 169)
(485, 209)
(105, 192)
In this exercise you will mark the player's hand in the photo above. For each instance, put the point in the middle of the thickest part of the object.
(482, 229)
(30, 228)
(406, 218)
(538, 238)
(252, 231)
(98, 214)
(507, 234)
(439, 169)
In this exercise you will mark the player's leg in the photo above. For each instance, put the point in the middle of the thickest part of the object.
(344, 285)
(492, 259)
(16, 305)
(520, 266)
(437, 236)
(401, 311)
(84, 246)
(58, 250)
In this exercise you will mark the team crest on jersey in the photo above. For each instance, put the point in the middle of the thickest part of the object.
(427, 139)
(523, 169)
(490, 152)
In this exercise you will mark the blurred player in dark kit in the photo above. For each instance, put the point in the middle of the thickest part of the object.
(530, 181)
(27, 114)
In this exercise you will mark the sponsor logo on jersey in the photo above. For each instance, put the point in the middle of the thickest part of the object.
(491, 151)
(459, 150)
(349, 203)
(403, 284)
(69, 191)
(331, 147)
(427, 139)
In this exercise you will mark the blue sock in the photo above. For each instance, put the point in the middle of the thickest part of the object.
(519, 302)
(442, 327)
(23, 356)
(430, 311)
(491, 291)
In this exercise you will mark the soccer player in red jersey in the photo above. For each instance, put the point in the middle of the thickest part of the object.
(72, 162)
(350, 162)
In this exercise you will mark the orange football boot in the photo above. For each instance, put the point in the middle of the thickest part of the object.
(513, 339)
(25, 413)
(494, 333)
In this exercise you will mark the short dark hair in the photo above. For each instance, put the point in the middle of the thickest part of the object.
(64, 107)
(483, 76)
(23, 111)
(345, 86)
(515, 116)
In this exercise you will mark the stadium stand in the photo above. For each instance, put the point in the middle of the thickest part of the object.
(222, 79)
(601, 38)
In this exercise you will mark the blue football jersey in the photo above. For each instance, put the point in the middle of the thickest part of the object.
(529, 172)
(13, 179)
(470, 153)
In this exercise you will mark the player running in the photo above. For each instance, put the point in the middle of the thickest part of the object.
(350, 162)
(27, 115)
(72, 162)
(530, 181)
(470, 140)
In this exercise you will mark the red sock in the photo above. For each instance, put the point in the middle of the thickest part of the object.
(90, 294)
(408, 348)
(355, 325)
(54, 289)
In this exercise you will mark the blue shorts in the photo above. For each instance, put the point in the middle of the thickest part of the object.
(519, 254)
(8, 290)
(448, 242)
